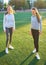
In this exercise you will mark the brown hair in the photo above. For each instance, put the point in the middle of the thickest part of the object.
(37, 14)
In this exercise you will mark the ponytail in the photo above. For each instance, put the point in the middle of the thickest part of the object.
(38, 17)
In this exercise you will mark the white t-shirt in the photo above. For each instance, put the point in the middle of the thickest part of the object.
(8, 21)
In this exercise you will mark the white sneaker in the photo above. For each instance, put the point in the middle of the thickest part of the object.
(37, 56)
(6, 50)
(11, 47)
(34, 50)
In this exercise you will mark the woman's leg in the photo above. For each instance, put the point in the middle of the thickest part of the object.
(10, 41)
(7, 37)
(11, 32)
(36, 40)
(35, 34)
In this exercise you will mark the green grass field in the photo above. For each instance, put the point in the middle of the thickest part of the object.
(22, 42)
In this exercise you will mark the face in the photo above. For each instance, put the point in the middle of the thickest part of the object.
(8, 9)
(33, 12)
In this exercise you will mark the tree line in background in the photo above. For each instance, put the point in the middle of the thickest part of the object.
(40, 4)
(20, 4)
(24, 4)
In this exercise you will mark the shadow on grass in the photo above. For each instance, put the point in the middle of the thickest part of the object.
(2, 53)
(33, 62)
(26, 59)
(45, 63)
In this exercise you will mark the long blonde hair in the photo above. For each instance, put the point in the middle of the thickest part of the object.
(37, 14)
(11, 9)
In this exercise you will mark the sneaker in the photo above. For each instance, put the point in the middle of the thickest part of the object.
(34, 50)
(11, 47)
(6, 51)
(37, 56)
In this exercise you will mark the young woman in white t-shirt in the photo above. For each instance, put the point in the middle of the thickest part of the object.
(9, 27)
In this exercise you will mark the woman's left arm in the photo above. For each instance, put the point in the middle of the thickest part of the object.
(40, 24)
(13, 22)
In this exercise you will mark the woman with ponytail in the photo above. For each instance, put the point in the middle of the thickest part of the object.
(36, 29)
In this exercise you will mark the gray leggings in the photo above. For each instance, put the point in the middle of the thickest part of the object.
(8, 35)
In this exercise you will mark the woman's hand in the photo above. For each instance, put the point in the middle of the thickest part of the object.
(13, 30)
(4, 30)
(40, 32)
(30, 33)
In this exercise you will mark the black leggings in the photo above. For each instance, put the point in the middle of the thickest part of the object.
(8, 35)
(35, 34)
